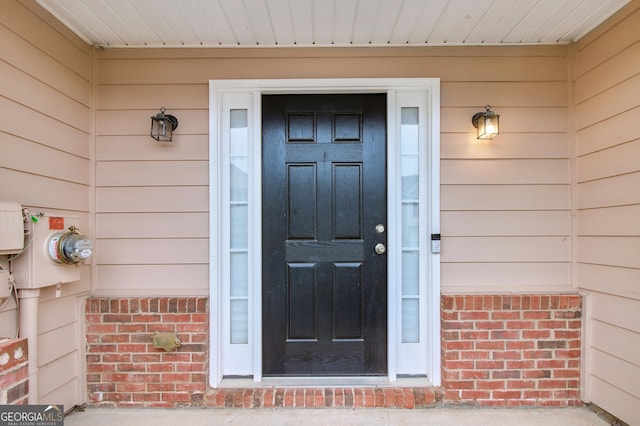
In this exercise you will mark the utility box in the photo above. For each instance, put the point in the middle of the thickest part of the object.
(11, 228)
(55, 253)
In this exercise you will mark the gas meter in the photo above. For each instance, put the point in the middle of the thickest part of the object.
(56, 252)
(69, 247)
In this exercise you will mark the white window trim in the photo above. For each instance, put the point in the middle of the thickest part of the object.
(247, 94)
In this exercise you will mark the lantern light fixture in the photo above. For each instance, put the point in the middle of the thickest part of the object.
(163, 125)
(487, 122)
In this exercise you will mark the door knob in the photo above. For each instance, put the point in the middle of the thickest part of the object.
(380, 248)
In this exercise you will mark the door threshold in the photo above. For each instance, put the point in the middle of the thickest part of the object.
(343, 381)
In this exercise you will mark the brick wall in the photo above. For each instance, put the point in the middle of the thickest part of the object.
(14, 372)
(497, 350)
(123, 367)
(511, 350)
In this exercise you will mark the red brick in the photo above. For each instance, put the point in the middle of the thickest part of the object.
(457, 345)
(446, 302)
(550, 363)
(489, 365)
(475, 394)
(146, 378)
(520, 384)
(156, 357)
(176, 397)
(521, 325)
(490, 384)
(571, 353)
(102, 328)
(509, 394)
(522, 403)
(520, 365)
(450, 335)
(536, 374)
(552, 384)
(409, 398)
(507, 355)
(379, 397)
(160, 387)
(115, 338)
(369, 397)
(144, 397)
(574, 324)
(489, 325)
(449, 316)
(536, 334)
(566, 373)
(536, 315)
(116, 318)
(551, 324)
(474, 354)
(474, 335)
(132, 347)
(505, 315)
(176, 377)
(491, 345)
(338, 397)
(389, 397)
(288, 398)
(456, 325)
(473, 374)
(458, 365)
(520, 344)
(506, 374)
(474, 315)
(146, 318)
(535, 354)
(506, 334)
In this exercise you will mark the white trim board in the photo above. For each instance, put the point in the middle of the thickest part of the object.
(246, 94)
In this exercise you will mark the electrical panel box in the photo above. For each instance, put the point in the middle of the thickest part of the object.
(56, 251)
(11, 228)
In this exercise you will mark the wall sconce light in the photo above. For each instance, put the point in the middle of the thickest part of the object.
(487, 123)
(163, 125)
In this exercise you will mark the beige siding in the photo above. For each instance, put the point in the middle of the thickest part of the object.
(607, 92)
(516, 187)
(46, 94)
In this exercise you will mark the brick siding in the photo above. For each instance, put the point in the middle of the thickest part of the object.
(123, 367)
(511, 350)
(497, 350)
(359, 397)
(14, 372)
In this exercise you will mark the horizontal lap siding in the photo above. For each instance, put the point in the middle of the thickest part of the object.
(505, 203)
(608, 231)
(45, 140)
(517, 186)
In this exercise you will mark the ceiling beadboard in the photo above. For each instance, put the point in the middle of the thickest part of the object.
(232, 23)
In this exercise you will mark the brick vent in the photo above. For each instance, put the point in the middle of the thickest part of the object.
(14, 372)
(123, 368)
(511, 350)
(363, 397)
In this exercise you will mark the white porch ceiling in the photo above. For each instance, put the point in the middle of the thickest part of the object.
(251, 23)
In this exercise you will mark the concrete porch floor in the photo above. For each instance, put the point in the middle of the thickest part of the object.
(337, 416)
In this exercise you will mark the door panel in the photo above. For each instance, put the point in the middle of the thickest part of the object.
(324, 296)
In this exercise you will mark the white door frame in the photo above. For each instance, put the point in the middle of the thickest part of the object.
(247, 93)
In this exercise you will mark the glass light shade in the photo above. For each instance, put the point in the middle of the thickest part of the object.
(487, 123)
(162, 126)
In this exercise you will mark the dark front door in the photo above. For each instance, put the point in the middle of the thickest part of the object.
(324, 291)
